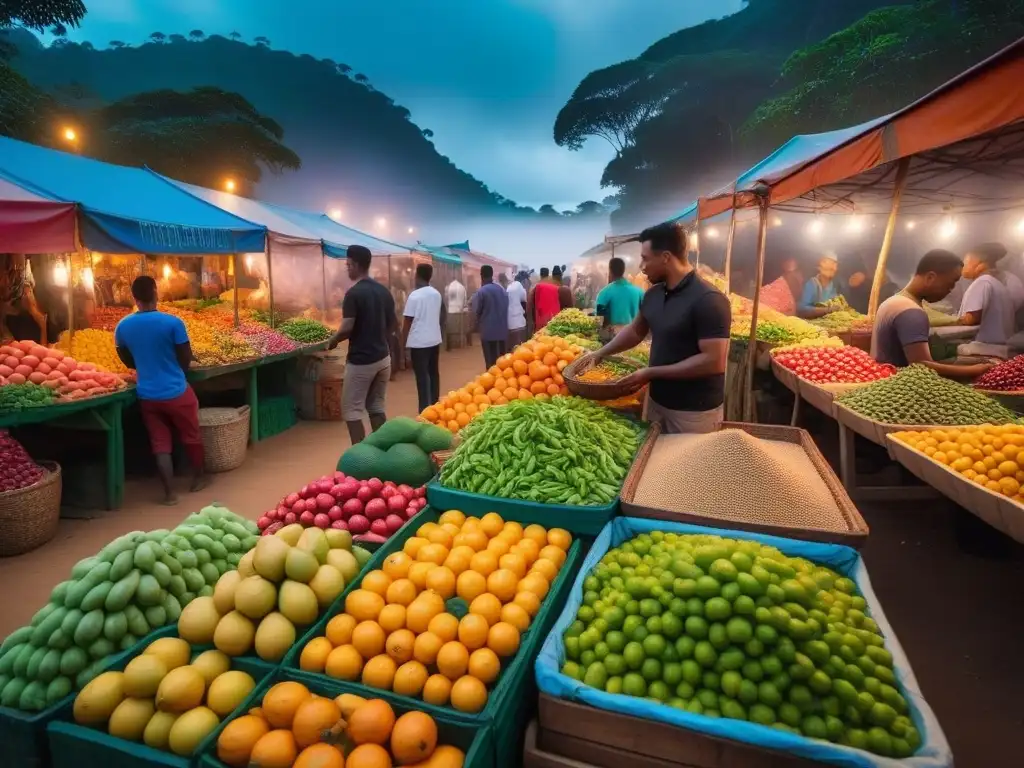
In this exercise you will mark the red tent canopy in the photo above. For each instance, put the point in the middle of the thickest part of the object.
(30, 223)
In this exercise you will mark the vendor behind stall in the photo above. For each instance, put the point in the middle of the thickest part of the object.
(987, 303)
(901, 325)
(820, 289)
(861, 275)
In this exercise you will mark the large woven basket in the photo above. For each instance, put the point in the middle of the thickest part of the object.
(597, 390)
(225, 437)
(29, 516)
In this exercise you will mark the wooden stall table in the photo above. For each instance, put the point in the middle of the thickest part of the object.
(102, 413)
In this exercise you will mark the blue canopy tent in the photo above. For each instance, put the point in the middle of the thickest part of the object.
(127, 210)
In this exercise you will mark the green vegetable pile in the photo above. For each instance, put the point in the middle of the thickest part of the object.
(566, 450)
(937, 319)
(17, 397)
(581, 341)
(843, 320)
(572, 321)
(730, 628)
(305, 331)
(919, 396)
(137, 583)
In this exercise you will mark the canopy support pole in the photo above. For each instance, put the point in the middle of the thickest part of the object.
(762, 236)
(323, 280)
(890, 229)
(728, 248)
(270, 278)
(695, 243)
(234, 266)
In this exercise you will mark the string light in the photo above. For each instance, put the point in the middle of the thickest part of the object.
(335, 213)
(712, 232)
(855, 225)
(815, 228)
(70, 134)
(87, 278)
(777, 222)
(381, 222)
(948, 228)
(248, 262)
(167, 271)
(230, 185)
(60, 275)
(911, 224)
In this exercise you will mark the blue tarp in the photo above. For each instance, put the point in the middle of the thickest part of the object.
(127, 210)
(934, 751)
(686, 216)
(331, 232)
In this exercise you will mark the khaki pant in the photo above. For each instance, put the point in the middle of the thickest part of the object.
(684, 422)
(365, 389)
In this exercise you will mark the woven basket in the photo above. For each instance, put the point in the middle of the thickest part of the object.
(225, 437)
(29, 516)
(594, 390)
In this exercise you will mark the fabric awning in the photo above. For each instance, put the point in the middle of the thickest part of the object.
(31, 223)
(127, 210)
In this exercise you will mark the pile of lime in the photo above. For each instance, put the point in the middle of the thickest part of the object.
(733, 628)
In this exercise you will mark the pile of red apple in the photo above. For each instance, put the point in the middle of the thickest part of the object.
(371, 509)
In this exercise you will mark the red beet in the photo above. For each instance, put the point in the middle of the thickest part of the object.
(420, 492)
(379, 527)
(376, 509)
(338, 476)
(341, 525)
(358, 524)
(291, 518)
(299, 507)
(290, 499)
(387, 492)
(397, 503)
(324, 501)
(324, 485)
(306, 518)
(365, 493)
(283, 510)
(307, 491)
(376, 484)
(352, 507)
(405, 490)
(335, 513)
(322, 520)
(393, 522)
(263, 522)
(410, 512)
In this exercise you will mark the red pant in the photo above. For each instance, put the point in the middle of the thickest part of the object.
(180, 414)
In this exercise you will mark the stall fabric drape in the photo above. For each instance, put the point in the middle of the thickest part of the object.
(30, 223)
(127, 210)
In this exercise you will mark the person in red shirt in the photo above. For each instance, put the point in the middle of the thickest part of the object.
(543, 303)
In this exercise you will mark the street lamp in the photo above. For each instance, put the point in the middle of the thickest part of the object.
(335, 213)
(411, 230)
(70, 135)
(381, 222)
(230, 185)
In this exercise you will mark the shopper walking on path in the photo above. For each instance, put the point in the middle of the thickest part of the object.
(156, 345)
(688, 320)
(490, 307)
(516, 310)
(421, 335)
(367, 321)
(619, 301)
(564, 291)
(542, 304)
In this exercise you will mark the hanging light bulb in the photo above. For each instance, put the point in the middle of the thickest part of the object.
(248, 262)
(694, 241)
(167, 271)
(816, 227)
(87, 278)
(948, 228)
(711, 232)
(855, 225)
(60, 275)
(1020, 228)
(777, 222)
(911, 224)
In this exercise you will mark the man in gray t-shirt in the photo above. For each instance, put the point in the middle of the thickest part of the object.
(901, 325)
(987, 302)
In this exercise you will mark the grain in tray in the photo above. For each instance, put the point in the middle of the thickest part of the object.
(732, 475)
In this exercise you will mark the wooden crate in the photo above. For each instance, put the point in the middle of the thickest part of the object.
(570, 735)
(822, 396)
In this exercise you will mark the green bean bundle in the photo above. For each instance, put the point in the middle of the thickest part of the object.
(566, 450)
(305, 331)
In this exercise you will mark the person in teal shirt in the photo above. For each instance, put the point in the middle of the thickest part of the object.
(619, 301)
(821, 288)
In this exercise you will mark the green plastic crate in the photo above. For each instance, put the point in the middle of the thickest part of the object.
(476, 742)
(276, 415)
(507, 706)
(79, 746)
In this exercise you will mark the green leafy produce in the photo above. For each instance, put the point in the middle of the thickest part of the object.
(137, 583)
(736, 629)
(17, 397)
(566, 450)
(842, 320)
(573, 322)
(305, 331)
(917, 395)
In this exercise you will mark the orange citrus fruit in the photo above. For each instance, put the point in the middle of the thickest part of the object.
(452, 660)
(502, 584)
(488, 606)
(339, 629)
(376, 581)
(437, 689)
(515, 615)
(484, 665)
(445, 626)
(368, 638)
(470, 584)
(473, 630)
(503, 639)
(468, 694)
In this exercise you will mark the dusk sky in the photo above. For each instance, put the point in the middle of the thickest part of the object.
(487, 76)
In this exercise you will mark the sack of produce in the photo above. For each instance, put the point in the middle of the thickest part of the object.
(759, 639)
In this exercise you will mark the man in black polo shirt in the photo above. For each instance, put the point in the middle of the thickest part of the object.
(688, 320)
(368, 321)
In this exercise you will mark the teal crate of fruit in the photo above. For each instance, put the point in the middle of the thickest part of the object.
(23, 734)
(79, 746)
(476, 743)
(276, 415)
(507, 705)
(754, 560)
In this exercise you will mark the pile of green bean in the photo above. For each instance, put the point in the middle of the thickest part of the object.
(566, 450)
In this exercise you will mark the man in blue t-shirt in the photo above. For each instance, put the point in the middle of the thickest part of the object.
(490, 307)
(156, 345)
(619, 301)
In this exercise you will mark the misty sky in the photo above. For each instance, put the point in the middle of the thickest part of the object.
(487, 76)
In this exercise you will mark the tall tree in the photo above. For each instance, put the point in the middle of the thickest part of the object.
(59, 30)
(158, 37)
(262, 41)
(235, 36)
(115, 44)
(40, 14)
(198, 136)
(197, 34)
(344, 69)
(361, 78)
(176, 39)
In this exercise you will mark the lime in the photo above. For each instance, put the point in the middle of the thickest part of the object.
(614, 685)
(801, 696)
(651, 669)
(856, 646)
(666, 580)
(867, 666)
(575, 629)
(632, 607)
(834, 728)
(846, 585)
(711, 680)
(782, 681)
(814, 727)
(801, 668)
(596, 675)
(834, 667)
(780, 618)
(844, 691)
(775, 593)
(614, 568)
(738, 629)
(882, 714)
(733, 709)
(742, 561)
(799, 630)
(706, 554)
(869, 625)
(761, 574)
(723, 570)
(855, 617)
(704, 653)
(707, 587)
(885, 675)
(672, 673)
(695, 707)
(684, 569)
(671, 625)
(790, 715)
(614, 617)
(589, 639)
(669, 654)
(717, 636)
(818, 616)
(586, 614)
(744, 606)
(820, 683)
(893, 698)
(748, 692)
(753, 647)
(731, 658)
(634, 685)
(708, 699)
(601, 650)
(768, 694)
(771, 665)
(785, 650)
(865, 701)
(696, 627)
(684, 588)
(817, 651)
(691, 671)
(766, 633)
(677, 702)
(762, 714)
(633, 653)
(615, 641)
(873, 686)
(615, 664)
(572, 669)
(684, 691)
(654, 646)
(639, 634)
(694, 607)
(632, 622)
(752, 671)
(762, 615)
(717, 609)
(731, 590)
(880, 742)
(587, 658)
(653, 625)
(572, 647)
(684, 646)
(649, 607)
(591, 597)
(666, 598)
(677, 607)
(730, 683)
(749, 585)
(659, 690)
(901, 748)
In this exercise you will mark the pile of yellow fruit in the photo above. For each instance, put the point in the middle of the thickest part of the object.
(437, 619)
(210, 345)
(991, 456)
(92, 346)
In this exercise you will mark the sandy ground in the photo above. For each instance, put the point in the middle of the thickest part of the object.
(959, 617)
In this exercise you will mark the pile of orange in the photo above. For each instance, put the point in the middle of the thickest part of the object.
(533, 369)
(436, 620)
(295, 728)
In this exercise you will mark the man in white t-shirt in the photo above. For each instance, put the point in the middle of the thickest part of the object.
(987, 303)
(516, 310)
(421, 335)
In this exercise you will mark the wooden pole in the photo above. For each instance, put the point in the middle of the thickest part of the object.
(270, 279)
(696, 243)
(728, 247)
(234, 265)
(890, 229)
(323, 277)
(762, 236)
